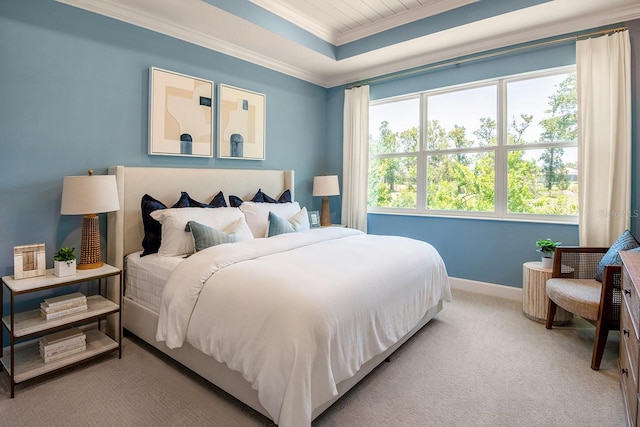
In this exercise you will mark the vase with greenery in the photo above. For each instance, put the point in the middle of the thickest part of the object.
(547, 249)
(64, 262)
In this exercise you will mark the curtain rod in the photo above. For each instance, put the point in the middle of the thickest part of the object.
(457, 62)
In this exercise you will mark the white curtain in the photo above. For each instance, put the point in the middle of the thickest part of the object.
(355, 157)
(604, 132)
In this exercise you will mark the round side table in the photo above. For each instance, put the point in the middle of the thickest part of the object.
(534, 294)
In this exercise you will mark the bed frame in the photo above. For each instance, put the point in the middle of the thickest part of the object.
(125, 233)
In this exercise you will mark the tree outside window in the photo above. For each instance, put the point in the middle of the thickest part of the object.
(473, 159)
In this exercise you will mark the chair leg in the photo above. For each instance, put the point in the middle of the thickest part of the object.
(551, 313)
(600, 341)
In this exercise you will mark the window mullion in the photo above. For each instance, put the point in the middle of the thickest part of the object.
(500, 195)
(421, 167)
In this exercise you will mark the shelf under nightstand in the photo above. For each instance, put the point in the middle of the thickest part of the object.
(23, 361)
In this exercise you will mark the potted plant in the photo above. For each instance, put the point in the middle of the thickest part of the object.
(64, 262)
(547, 249)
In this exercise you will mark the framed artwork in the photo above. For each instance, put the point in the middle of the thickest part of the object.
(180, 114)
(29, 261)
(241, 124)
(314, 219)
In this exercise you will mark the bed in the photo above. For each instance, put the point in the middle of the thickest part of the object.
(168, 301)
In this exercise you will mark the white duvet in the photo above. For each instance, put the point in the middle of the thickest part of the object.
(298, 313)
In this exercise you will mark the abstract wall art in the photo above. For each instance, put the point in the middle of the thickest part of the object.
(241, 124)
(180, 114)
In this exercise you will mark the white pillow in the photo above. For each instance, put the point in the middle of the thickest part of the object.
(176, 241)
(257, 214)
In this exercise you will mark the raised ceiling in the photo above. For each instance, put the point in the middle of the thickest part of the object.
(334, 42)
(340, 21)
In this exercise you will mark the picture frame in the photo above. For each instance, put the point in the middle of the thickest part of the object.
(241, 123)
(181, 113)
(314, 219)
(29, 261)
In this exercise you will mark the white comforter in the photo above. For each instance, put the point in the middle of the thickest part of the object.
(298, 313)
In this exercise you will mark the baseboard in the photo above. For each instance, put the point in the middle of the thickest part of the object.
(502, 291)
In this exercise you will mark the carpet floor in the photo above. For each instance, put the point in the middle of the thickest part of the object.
(479, 363)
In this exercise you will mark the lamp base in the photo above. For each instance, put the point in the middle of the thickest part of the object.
(89, 266)
(325, 214)
(90, 256)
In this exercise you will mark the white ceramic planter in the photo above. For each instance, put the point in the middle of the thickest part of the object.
(547, 262)
(64, 268)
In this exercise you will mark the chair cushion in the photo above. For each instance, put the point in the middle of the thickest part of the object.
(577, 296)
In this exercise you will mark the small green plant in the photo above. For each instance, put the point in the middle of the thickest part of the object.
(547, 247)
(65, 254)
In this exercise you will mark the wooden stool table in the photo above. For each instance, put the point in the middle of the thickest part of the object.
(534, 294)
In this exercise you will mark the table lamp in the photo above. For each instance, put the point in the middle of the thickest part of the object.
(89, 195)
(326, 185)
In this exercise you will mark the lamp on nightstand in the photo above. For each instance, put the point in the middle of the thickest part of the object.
(325, 186)
(89, 195)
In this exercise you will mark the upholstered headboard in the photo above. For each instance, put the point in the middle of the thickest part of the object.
(125, 231)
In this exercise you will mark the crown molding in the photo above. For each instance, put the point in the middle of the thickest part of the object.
(324, 32)
(576, 25)
(135, 17)
(335, 78)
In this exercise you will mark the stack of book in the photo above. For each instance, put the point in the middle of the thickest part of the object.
(52, 308)
(61, 344)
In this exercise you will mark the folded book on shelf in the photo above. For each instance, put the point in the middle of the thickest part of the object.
(64, 299)
(63, 343)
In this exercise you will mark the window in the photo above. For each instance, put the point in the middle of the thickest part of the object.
(506, 148)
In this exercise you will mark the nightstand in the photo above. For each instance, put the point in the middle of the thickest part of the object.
(25, 328)
(534, 294)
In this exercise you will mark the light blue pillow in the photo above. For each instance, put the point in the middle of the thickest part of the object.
(205, 236)
(279, 225)
(625, 242)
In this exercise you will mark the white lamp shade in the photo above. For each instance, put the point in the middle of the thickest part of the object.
(326, 185)
(91, 194)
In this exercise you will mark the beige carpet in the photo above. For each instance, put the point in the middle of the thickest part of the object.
(480, 363)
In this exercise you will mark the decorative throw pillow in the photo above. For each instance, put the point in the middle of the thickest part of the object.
(205, 236)
(257, 214)
(152, 228)
(279, 225)
(235, 201)
(285, 197)
(625, 242)
(261, 197)
(217, 201)
(176, 241)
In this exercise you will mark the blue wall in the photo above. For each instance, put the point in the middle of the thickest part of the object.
(479, 249)
(74, 96)
(74, 90)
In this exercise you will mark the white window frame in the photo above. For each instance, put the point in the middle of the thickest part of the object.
(500, 153)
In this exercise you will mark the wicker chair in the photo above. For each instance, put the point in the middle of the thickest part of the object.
(573, 287)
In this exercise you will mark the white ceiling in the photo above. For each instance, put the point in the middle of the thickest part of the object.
(343, 21)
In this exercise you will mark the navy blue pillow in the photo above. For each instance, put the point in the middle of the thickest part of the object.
(261, 197)
(216, 202)
(285, 197)
(625, 242)
(152, 228)
(235, 201)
